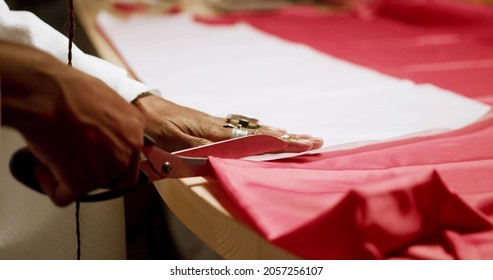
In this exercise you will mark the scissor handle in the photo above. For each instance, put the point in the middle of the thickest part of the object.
(22, 165)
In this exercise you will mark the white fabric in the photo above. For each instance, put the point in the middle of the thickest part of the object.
(26, 28)
(238, 69)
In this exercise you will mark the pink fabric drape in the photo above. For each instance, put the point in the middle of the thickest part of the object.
(424, 197)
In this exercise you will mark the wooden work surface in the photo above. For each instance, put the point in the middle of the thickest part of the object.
(198, 202)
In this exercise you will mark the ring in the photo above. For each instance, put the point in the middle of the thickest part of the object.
(241, 132)
(242, 120)
(288, 136)
(228, 125)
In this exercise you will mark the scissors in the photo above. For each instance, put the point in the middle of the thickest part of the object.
(157, 164)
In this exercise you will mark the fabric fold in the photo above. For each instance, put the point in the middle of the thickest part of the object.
(423, 197)
(377, 221)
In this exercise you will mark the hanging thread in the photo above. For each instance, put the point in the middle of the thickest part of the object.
(77, 227)
(71, 29)
(71, 33)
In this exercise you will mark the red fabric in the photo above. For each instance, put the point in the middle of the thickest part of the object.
(427, 197)
(126, 7)
(419, 198)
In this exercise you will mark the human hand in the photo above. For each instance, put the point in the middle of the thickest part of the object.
(176, 127)
(83, 133)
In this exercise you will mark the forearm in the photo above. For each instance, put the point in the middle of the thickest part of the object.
(27, 85)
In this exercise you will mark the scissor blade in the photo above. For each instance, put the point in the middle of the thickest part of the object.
(237, 148)
(161, 164)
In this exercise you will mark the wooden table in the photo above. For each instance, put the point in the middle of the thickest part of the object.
(198, 202)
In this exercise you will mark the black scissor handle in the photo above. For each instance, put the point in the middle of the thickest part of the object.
(23, 163)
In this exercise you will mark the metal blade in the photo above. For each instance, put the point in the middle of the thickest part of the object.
(162, 164)
(237, 148)
(193, 162)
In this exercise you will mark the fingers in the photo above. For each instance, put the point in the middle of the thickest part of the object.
(62, 193)
(219, 129)
(243, 125)
(297, 143)
(59, 194)
(129, 177)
